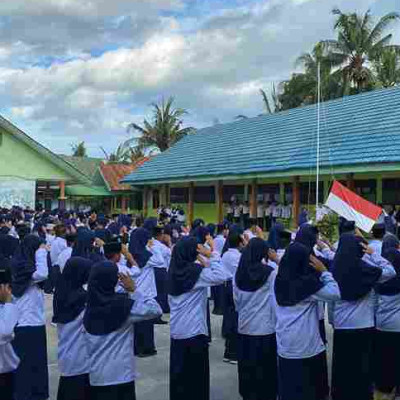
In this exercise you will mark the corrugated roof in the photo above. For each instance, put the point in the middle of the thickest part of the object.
(354, 130)
(86, 165)
(113, 172)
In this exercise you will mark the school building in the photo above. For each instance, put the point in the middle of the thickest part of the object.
(273, 157)
(31, 174)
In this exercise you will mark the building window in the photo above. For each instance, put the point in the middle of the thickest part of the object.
(268, 193)
(391, 191)
(366, 189)
(179, 195)
(233, 191)
(308, 192)
(204, 194)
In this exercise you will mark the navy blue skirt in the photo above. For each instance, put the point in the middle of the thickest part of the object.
(303, 378)
(74, 387)
(352, 374)
(189, 369)
(31, 376)
(7, 386)
(124, 391)
(257, 367)
(161, 276)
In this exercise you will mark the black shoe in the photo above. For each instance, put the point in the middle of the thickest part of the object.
(148, 354)
(160, 322)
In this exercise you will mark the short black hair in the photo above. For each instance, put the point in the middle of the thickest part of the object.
(378, 231)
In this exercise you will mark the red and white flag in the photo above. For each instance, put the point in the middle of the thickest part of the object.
(351, 206)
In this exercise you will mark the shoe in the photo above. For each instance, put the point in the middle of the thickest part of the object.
(145, 355)
(226, 360)
(161, 322)
(233, 362)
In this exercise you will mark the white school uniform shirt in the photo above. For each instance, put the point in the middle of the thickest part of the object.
(9, 361)
(189, 310)
(31, 304)
(219, 243)
(164, 254)
(57, 246)
(297, 328)
(256, 310)
(376, 245)
(112, 359)
(134, 271)
(73, 356)
(387, 313)
(230, 262)
(64, 256)
(237, 211)
(146, 281)
(360, 314)
(260, 211)
(246, 210)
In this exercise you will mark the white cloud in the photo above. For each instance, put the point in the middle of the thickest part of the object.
(215, 70)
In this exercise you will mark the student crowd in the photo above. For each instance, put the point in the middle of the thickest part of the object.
(113, 280)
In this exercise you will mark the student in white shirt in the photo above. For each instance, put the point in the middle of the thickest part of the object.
(70, 299)
(29, 270)
(245, 213)
(140, 246)
(188, 283)
(108, 322)
(230, 262)
(237, 212)
(301, 283)
(260, 215)
(357, 269)
(386, 358)
(378, 232)
(65, 255)
(253, 289)
(8, 320)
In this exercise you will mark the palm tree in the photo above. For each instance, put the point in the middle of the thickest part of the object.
(164, 130)
(387, 68)
(274, 105)
(359, 42)
(79, 150)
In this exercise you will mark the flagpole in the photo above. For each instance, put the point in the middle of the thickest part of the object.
(318, 131)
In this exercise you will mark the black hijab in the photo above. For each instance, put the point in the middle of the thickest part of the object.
(252, 273)
(390, 251)
(70, 297)
(201, 233)
(23, 264)
(355, 277)
(137, 246)
(106, 311)
(183, 271)
(296, 279)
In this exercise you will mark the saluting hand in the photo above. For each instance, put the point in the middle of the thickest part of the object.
(5, 293)
(367, 249)
(317, 264)
(127, 283)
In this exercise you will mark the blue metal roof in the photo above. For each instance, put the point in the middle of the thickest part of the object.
(354, 130)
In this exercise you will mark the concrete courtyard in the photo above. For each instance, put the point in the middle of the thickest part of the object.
(153, 381)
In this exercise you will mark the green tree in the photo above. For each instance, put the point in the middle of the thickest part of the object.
(165, 128)
(272, 103)
(359, 43)
(125, 153)
(79, 150)
(387, 68)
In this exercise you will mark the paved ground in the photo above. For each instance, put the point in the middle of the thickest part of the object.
(153, 381)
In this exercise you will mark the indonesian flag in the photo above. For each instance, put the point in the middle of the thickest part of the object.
(353, 207)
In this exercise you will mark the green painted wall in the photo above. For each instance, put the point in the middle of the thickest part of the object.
(19, 160)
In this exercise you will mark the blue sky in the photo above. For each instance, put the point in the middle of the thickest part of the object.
(78, 70)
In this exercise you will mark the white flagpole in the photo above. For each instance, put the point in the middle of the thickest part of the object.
(318, 131)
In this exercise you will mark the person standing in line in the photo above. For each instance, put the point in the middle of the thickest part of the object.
(357, 269)
(66, 254)
(8, 320)
(140, 247)
(188, 281)
(378, 232)
(245, 214)
(70, 299)
(387, 335)
(230, 262)
(109, 331)
(237, 212)
(29, 269)
(253, 289)
(160, 270)
(301, 283)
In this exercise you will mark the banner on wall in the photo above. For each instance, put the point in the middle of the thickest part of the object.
(17, 192)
